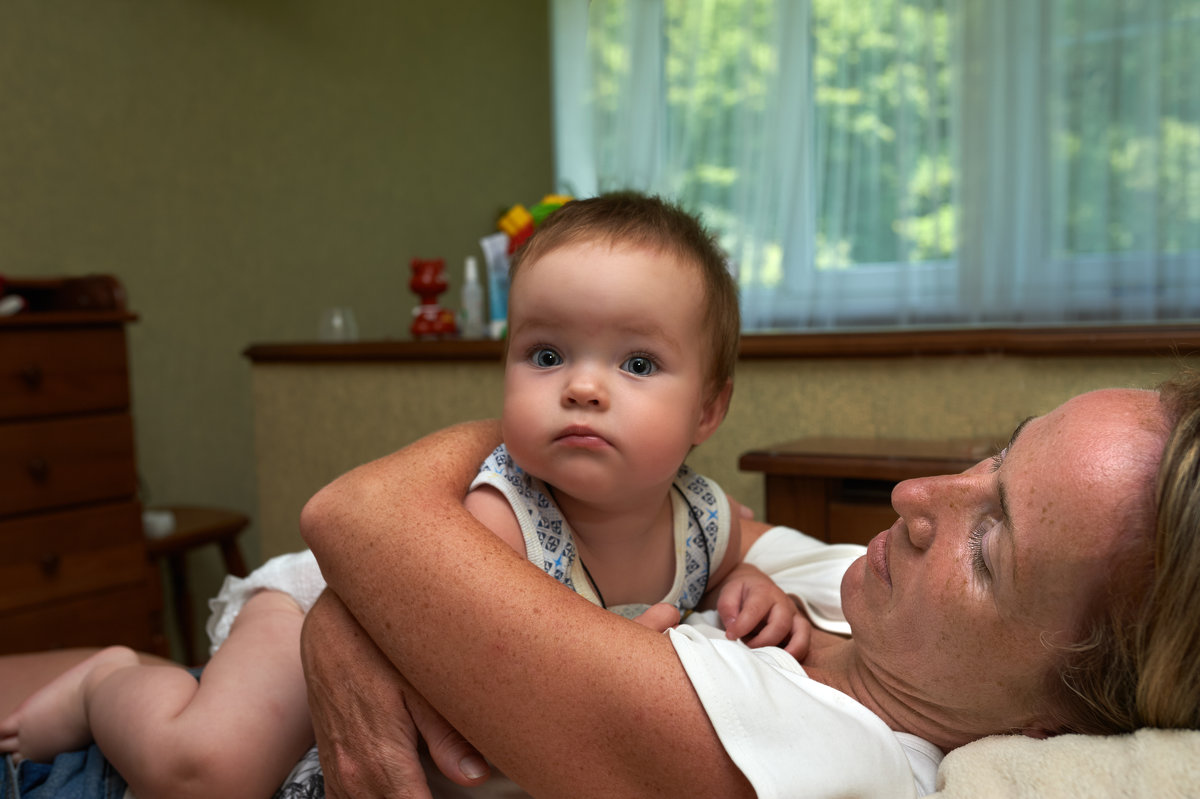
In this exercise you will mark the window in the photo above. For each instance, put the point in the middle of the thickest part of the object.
(904, 162)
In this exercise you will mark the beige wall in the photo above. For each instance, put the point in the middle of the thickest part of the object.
(240, 165)
(369, 410)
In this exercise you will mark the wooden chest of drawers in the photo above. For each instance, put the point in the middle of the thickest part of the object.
(74, 570)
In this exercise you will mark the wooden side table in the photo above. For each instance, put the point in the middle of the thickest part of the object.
(195, 527)
(839, 489)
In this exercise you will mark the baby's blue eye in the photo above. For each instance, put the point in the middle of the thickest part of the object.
(545, 358)
(639, 365)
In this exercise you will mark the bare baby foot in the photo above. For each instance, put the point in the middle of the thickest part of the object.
(54, 720)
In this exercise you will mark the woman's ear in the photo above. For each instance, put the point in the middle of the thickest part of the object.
(1041, 733)
(713, 413)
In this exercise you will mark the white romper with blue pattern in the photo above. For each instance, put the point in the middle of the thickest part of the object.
(701, 521)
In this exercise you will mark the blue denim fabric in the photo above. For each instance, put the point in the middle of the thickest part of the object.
(74, 775)
(85, 774)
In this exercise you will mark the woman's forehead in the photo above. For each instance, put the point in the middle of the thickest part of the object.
(1097, 448)
(1083, 487)
(1113, 405)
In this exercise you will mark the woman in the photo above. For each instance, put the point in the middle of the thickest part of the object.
(1031, 594)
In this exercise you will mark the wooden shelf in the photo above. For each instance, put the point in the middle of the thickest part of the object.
(388, 350)
(1109, 340)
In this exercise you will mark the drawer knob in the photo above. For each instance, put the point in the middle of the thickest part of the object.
(39, 470)
(32, 375)
(50, 564)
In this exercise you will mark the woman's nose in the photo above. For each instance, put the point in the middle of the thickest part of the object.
(585, 388)
(927, 502)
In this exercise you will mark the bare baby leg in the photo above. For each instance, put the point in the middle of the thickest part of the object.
(55, 719)
(236, 732)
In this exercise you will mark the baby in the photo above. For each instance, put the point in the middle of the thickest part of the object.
(623, 331)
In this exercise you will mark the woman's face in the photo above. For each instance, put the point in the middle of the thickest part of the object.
(953, 606)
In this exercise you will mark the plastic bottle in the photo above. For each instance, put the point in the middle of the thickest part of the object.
(472, 301)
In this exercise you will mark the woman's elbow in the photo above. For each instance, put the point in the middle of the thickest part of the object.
(324, 518)
(313, 518)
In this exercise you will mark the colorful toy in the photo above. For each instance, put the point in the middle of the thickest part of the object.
(519, 222)
(549, 204)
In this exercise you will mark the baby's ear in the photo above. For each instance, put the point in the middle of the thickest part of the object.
(713, 414)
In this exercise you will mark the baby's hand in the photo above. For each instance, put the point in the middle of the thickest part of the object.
(756, 610)
(660, 617)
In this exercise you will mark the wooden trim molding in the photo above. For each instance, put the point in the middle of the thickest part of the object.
(1045, 341)
(386, 350)
(1180, 340)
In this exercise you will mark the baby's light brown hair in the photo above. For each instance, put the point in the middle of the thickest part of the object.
(639, 220)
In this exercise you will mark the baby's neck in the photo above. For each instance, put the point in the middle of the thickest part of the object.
(629, 551)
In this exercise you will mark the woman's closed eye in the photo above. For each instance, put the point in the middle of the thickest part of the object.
(998, 459)
(976, 545)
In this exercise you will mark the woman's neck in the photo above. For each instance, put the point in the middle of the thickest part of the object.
(837, 662)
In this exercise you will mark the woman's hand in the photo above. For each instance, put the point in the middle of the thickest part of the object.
(369, 720)
(753, 608)
(422, 575)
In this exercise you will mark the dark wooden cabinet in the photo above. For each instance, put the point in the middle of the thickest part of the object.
(75, 570)
(839, 489)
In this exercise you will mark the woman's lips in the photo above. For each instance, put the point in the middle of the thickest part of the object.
(877, 556)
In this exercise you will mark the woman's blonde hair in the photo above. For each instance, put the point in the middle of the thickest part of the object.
(1139, 666)
(639, 220)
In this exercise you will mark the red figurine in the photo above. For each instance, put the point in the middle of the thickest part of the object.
(430, 320)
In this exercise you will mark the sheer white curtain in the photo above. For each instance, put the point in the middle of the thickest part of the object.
(1080, 156)
(891, 162)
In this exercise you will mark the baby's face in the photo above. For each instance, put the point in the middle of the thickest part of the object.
(605, 379)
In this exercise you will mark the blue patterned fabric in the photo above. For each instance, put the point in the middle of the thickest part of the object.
(701, 520)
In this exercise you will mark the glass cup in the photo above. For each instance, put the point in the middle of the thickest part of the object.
(338, 324)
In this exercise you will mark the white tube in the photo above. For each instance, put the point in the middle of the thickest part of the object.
(495, 255)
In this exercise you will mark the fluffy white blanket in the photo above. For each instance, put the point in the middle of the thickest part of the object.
(1162, 764)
